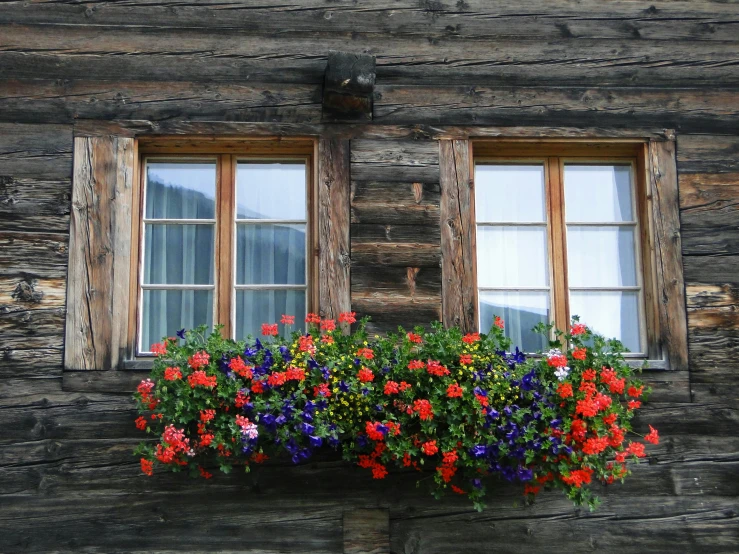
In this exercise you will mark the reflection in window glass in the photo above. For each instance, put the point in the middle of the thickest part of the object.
(602, 256)
(613, 314)
(254, 307)
(180, 190)
(178, 258)
(599, 193)
(510, 193)
(167, 311)
(512, 258)
(521, 312)
(178, 254)
(270, 191)
(270, 256)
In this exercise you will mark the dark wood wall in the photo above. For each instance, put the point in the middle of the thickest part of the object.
(68, 481)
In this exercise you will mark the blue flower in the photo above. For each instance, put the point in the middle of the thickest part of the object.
(258, 344)
(525, 474)
(477, 483)
(310, 407)
(312, 364)
(325, 372)
(478, 451)
(280, 420)
(343, 387)
(362, 441)
(249, 352)
(307, 428)
(181, 333)
(285, 354)
(315, 442)
(322, 404)
(307, 417)
(480, 392)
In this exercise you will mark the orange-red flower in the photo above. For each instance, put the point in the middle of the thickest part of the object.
(454, 391)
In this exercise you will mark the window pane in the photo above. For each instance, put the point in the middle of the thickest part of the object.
(270, 190)
(270, 254)
(512, 257)
(254, 307)
(612, 314)
(180, 190)
(178, 254)
(167, 311)
(509, 193)
(601, 256)
(521, 311)
(600, 193)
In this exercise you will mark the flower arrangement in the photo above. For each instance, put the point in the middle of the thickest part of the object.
(462, 406)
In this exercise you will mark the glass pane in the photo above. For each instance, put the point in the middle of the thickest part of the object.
(178, 254)
(512, 257)
(521, 311)
(600, 193)
(254, 307)
(601, 256)
(270, 190)
(509, 193)
(613, 314)
(167, 311)
(270, 254)
(180, 190)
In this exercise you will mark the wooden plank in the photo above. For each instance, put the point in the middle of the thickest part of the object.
(63, 101)
(459, 295)
(474, 19)
(711, 153)
(28, 204)
(366, 531)
(99, 265)
(395, 203)
(712, 269)
(709, 200)
(668, 253)
(41, 152)
(472, 104)
(22, 294)
(177, 127)
(31, 363)
(33, 255)
(333, 227)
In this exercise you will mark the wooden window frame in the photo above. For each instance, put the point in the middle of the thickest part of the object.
(553, 158)
(659, 231)
(226, 153)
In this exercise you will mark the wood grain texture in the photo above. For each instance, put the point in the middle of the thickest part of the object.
(99, 263)
(459, 295)
(668, 253)
(334, 246)
(366, 531)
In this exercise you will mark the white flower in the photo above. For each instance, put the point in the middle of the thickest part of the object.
(562, 372)
(554, 352)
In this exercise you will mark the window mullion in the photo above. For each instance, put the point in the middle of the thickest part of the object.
(558, 242)
(224, 248)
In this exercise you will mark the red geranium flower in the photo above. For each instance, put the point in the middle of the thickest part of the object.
(287, 319)
(365, 375)
(413, 337)
(454, 391)
(347, 317)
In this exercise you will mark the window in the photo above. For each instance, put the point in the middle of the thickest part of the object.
(559, 232)
(225, 237)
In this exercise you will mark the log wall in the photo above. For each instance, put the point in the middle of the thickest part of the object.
(68, 480)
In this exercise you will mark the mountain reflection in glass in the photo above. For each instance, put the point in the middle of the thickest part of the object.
(271, 244)
(512, 250)
(178, 247)
(602, 250)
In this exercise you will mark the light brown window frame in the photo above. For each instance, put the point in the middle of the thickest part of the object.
(553, 155)
(226, 152)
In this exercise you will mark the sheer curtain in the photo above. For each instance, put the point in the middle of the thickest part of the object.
(270, 244)
(178, 254)
(512, 258)
(602, 250)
